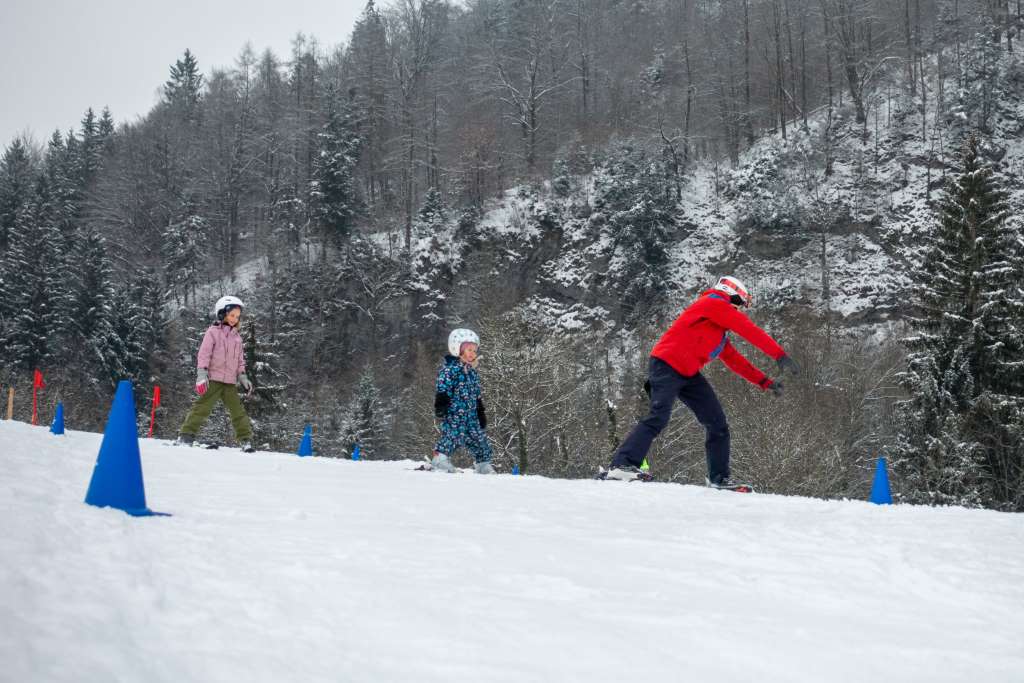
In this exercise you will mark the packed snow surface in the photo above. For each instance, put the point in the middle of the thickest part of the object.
(273, 567)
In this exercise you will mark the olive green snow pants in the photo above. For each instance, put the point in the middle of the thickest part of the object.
(204, 405)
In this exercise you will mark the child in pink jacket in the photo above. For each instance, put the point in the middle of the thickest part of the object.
(221, 364)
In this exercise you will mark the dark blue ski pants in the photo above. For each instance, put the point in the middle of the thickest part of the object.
(666, 386)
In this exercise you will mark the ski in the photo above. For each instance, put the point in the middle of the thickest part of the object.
(602, 475)
(208, 445)
(426, 466)
(739, 488)
(729, 485)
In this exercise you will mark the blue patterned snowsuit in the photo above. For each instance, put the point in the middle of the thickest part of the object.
(461, 426)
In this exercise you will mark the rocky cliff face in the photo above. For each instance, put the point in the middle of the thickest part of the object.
(830, 218)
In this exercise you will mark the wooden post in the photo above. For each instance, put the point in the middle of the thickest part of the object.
(10, 403)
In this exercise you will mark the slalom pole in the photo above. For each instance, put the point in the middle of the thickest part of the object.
(35, 388)
(152, 414)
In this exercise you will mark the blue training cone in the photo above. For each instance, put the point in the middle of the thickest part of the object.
(306, 445)
(880, 494)
(58, 420)
(355, 452)
(117, 477)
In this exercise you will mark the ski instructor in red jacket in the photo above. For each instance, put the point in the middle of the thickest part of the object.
(696, 338)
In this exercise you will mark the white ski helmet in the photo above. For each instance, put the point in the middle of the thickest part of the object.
(459, 337)
(736, 290)
(224, 304)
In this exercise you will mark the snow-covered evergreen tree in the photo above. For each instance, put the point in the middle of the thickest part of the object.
(63, 168)
(262, 363)
(432, 214)
(34, 284)
(183, 250)
(964, 372)
(91, 148)
(184, 89)
(334, 192)
(636, 225)
(139, 323)
(96, 311)
(105, 127)
(365, 420)
(16, 179)
(561, 178)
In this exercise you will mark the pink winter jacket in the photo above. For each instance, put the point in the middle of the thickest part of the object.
(221, 353)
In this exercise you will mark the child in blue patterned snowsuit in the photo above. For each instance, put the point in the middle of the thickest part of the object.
(458, 404)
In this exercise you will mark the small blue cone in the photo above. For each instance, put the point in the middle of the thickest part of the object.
(306, 445)
(880, 494)
(515, 469)
(355, 452)
(117, 477)
(58, 420)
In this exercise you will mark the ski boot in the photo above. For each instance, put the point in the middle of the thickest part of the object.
(247, 447)
(485, 468)
(728, 484)
(625, 473)
(441, 463)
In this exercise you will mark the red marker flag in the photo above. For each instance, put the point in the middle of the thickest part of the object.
(37, 384)
(152, 414)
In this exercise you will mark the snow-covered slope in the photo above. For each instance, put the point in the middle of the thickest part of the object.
(276, 568)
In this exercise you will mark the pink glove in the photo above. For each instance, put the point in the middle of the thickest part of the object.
(202, 381)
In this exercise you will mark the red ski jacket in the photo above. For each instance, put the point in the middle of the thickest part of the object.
(699, 335)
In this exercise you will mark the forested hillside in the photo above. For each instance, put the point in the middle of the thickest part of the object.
(562, 176)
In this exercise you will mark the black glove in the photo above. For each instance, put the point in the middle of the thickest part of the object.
(481, 414)
(647, 388)
(441, 403)
(787, 363)
(775, 387)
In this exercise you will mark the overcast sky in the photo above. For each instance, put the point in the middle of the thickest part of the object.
(59, 57)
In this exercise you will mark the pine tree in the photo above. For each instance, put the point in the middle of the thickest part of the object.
(638, 222)
(262, 360)
(365, 419)
(105, 129)
(99, 349)
(334, 194)
(432, 214)
(33, 285)
(957, 444)
(16, 178)
(62, 166)
(184, 242)
(91, 149)
(561, 180)
(139, 323)
(370, 68)
(183, 90)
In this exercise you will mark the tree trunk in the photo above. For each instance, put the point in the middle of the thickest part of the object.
(909, 44)
(780, 82)
(748, 128)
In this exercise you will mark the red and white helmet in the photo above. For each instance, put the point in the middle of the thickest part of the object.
(736, 290)
(459, 337)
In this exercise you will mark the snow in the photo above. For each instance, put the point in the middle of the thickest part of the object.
(274, 567)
